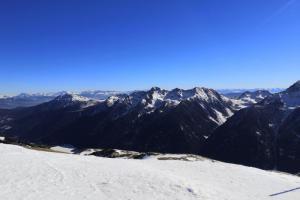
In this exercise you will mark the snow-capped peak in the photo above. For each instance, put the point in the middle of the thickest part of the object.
(205, 94)
(289, 99)
(156, 96)
(256, 94)
(157, 99)
(110, 101)
(40, 94)
(157, 89)
(99, 94)
(69, 97)
(254, 97)
(294, 88)
(175, 96)
(24, 95)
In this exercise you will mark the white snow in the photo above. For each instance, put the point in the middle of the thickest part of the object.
(99, 94)
(157, 98)
(112, 100)
(220, 117)
(230, 113)
(28, 174)
(258, 133)
(175, 96)
(238, 104)
(290, 97)
(79, 98)
(249, 98)
(2, 138)
(69, 97)
(63, 149)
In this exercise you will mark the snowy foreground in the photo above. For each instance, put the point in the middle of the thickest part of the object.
(34, 175)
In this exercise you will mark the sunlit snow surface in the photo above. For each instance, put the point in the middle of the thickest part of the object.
(34, 175)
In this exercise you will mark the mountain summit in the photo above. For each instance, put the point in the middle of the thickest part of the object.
(289, 99)
(264, 135)
(69, 97)
(254, 97)
(294, 88)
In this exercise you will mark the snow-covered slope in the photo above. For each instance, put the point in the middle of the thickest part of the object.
(290, 98)
(34, 175)
(99, 94)
(69, 99)
(250, 98)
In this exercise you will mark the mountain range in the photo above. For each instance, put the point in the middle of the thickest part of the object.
(155, 120)
(28, 100)
(264, 135)
(257, 128)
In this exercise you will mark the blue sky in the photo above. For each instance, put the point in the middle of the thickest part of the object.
(54, 45)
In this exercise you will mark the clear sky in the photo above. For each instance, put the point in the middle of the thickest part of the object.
(54, 45)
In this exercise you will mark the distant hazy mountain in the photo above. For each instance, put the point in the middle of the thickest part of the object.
(240, 91)
(235, 93)
(28, 100)
(99, 94)
(23, 100)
